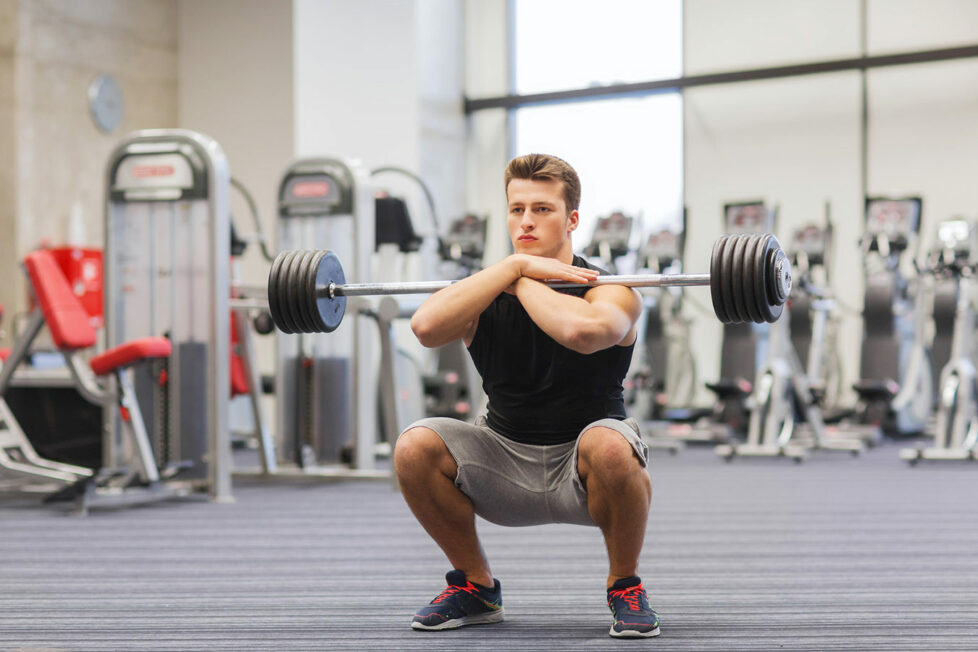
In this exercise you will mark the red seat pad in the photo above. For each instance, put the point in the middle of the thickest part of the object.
(4, 354)
(63, 312)
(130, 352)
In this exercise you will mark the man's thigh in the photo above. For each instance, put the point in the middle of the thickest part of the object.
(506, 481)
(569, 495)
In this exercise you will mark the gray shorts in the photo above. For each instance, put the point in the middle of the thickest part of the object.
(522, 484)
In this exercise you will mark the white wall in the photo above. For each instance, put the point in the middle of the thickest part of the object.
(53, 155)
(487, 68)
(236, 86)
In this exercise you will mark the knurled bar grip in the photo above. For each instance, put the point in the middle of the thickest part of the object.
(429, 287)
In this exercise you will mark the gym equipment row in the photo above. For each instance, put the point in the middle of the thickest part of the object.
(167, 221)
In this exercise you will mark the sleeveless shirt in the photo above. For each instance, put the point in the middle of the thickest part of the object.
(541, 392)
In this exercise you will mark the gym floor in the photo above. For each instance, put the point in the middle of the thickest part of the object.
(837, 553)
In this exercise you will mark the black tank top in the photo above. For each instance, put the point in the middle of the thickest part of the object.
(541, 392)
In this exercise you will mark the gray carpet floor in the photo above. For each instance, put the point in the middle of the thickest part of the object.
(837, 553)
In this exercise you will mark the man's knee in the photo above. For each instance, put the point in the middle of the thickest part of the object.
(420, 450)
(606, 447)
(606, 452)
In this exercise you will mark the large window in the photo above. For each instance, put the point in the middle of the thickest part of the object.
(563, 44)
(628, 151)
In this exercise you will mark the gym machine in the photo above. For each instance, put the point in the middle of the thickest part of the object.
(326, 387)
(166, 274)
(665, 377)
(743, 350)
(784, 392)
(813, 326)
(610, 239)
(953, 263)
(134, 478)
(814, 322)
(896, 390)
(454, 389)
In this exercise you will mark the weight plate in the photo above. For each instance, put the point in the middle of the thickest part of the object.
(301, 291)
(782, 274)
(764, 271)
(285, 287)
(269, 288)
(330, 310)
(777, 278)
(741, 272)
(309, 304)
(751, 285)
(274, 296)
(728, 267)
(716, 273)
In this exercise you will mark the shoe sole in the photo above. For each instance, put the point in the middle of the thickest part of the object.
(632, 633)
(479, 619)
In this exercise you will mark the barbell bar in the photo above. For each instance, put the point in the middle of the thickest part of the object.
(749, 279)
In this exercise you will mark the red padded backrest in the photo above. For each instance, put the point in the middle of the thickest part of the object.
(63, 312)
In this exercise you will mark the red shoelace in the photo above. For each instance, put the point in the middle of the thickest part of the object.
(452, 589)
(631, 595)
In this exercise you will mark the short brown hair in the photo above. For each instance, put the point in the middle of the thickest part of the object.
(544, 167)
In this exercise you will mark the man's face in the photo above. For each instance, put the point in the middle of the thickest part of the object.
(538, 220)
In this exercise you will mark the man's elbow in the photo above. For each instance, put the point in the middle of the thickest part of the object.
(585, 340)
(424, 330)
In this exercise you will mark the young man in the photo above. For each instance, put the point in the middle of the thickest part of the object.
(554, 446)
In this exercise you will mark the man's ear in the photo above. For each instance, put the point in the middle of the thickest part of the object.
(572, 221)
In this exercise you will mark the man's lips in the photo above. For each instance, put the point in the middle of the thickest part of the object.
(526, 238)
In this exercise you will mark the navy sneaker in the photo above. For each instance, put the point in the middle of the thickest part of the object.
(461, 603)
(634, 617)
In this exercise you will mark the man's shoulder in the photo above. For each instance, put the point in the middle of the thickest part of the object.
(580, 261)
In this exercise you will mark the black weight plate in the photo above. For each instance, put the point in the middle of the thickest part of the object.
(310, 307)
(331, 310)
(716, 273)
(764, 272)
(271, 289)
(729, 268)
(777, 270)
(781, 265)
(750, 284)
(761, 299)
(286, 282)
(301, 290)
(741, 270)
(276, 299)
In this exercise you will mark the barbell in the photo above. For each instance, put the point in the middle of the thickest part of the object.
(749, 279)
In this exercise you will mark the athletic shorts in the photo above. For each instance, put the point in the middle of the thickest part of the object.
(511, 483)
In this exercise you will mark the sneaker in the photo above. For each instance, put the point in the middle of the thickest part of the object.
(461, 603)
(634, 617)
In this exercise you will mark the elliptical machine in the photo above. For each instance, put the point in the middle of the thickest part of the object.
(610, 240)
(743, 351)
(664, 381)
(954, 265)
(896, 390)
(786, 392)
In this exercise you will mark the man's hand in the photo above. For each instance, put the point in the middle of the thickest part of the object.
(544, 269)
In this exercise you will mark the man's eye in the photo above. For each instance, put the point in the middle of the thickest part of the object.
(543, 209)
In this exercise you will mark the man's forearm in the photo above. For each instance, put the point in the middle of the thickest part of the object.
(561, 316)
(581, 324)
(444, 316)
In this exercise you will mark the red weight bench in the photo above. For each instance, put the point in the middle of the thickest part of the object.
(68, 324)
